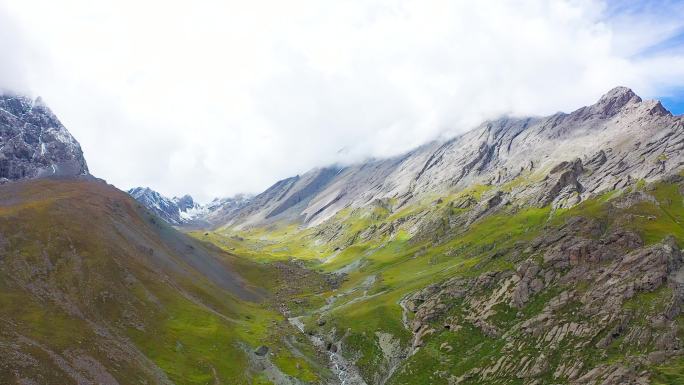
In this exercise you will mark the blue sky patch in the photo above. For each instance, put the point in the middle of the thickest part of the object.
(674, 102)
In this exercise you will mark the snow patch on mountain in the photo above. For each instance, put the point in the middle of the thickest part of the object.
(184, 211)
(34, 143)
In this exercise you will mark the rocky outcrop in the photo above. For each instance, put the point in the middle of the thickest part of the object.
(33, 142)
(165, 208)
(590, 279)
(562, 186)
(529, 281)
(287, 200)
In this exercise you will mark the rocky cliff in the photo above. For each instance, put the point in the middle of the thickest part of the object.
(33, 142)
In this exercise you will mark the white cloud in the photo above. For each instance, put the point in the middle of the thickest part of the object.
(218, 97)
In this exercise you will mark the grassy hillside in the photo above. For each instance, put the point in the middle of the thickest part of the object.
(95, 290)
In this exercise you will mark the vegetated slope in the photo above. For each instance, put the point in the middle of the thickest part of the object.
(607, 145)
(528, 251)
(96, 290)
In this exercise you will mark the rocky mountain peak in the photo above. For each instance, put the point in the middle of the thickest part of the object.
(614, 100)
(148, 195)
(140, 190)
(164, 207)
(620, 93)
(185, 202)
(184, 211)
(17, 105)
(34, 143)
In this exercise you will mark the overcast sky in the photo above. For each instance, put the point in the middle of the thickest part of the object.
(214, 98)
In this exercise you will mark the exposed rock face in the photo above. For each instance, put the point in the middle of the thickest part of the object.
(215, 212)
(33, 143)
(261, 351)
(562, 184)
(184, 211)
(564, 159)
(185, 203)
(165, 208)
(589, 279)
(288, 199)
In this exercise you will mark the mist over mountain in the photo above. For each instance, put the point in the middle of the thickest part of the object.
(605, 146)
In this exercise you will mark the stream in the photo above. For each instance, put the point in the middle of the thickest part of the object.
(343, 369)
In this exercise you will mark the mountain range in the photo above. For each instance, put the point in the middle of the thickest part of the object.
(605, 146)
(528, 250)
(185, 211)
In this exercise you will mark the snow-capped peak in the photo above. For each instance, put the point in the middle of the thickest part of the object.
(184, 210)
